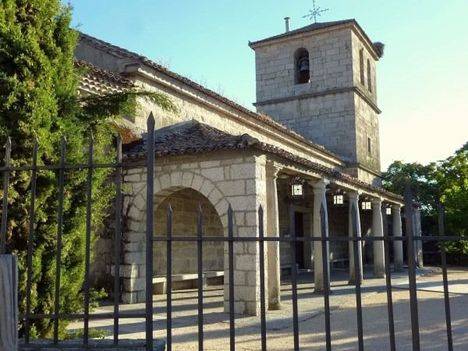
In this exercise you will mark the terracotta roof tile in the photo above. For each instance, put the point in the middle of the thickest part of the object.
(97, 80)
(193, 137)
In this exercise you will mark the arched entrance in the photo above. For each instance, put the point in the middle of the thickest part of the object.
(185, 205)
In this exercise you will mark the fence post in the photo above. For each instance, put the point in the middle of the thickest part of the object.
(9, 310)
(149, 233)
(412, 267)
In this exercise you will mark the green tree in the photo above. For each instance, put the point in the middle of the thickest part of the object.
(39, 100)
(443, 182)
(452, 177)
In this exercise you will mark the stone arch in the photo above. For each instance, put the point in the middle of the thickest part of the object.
(165, 184)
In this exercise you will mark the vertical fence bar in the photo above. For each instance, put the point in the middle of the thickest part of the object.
(32, 209)
(117, 236)
(358, 277)
(326, 277)
(6, 184)
(200, 276)
(89, 194)
(58, 258)
(149, 232)
(388, 282)
(412, 269)
(443, 257)
(232, 331)
(292, 233)
(261, 244)
(169, 278)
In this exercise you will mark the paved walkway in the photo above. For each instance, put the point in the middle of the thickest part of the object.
(311, 317)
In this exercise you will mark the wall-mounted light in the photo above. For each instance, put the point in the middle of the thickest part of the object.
(297, 187)
(338, 199)
(388, 211)
(366, 205)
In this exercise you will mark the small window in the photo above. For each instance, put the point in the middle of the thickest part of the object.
(369, 146)
(366, 205)
(302, 67)
(361, 65)
(338, 199)
(369, 76)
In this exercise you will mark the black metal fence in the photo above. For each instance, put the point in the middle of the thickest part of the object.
(200, 239)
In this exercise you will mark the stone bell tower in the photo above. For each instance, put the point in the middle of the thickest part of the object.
(320, 81)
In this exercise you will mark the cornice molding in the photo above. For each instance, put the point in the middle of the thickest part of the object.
(354, 89)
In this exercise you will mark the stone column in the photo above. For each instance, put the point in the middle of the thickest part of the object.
(418, 244)
(377, 231)
(319, 199)
(397, 244)
(8, 302)
(272, 229)
(353, 198)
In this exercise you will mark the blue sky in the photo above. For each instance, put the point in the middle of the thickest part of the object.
(422, 79)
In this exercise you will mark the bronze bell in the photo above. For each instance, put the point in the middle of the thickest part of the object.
(303, 64)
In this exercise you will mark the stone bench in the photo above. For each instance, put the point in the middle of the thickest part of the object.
(339, 263)
(214, 277)
(179, 282)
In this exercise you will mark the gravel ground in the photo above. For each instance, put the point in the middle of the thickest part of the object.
(311, 316)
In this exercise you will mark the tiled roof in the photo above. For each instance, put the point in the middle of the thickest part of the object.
(193, 137)
(124, 53)
(97, 80)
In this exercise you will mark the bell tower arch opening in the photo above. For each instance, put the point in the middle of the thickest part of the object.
(302, 66)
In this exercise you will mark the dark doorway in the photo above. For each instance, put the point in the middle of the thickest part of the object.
(299, 227)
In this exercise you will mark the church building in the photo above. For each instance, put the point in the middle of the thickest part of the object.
(312, 142)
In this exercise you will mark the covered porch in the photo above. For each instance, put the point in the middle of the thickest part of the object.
(201, 172)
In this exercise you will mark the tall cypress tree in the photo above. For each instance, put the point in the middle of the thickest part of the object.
(39, 100)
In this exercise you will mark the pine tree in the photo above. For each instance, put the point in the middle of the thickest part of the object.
(39, 100)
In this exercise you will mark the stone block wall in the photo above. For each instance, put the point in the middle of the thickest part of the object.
(327, 120)
(185, 205)
(357, 45)
(367, 127)
(329, 59)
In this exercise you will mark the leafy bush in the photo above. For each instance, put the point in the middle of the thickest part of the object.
(39, 100)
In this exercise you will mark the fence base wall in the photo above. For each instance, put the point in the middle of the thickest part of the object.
(69, 345)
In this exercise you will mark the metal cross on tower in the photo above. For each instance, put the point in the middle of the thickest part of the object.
(315, 12)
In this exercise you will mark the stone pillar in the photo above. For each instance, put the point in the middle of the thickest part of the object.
(418, 244)
(377, 231)
(246, 254)
(353, 198)
(397, 244)
(319, 199)
(8, 302)
(272, 229)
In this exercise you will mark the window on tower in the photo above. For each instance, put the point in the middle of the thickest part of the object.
(302, 67)
(369, 146)
(361, 65)
(369, 76)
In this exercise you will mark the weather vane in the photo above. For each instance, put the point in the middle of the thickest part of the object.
(315, 12)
